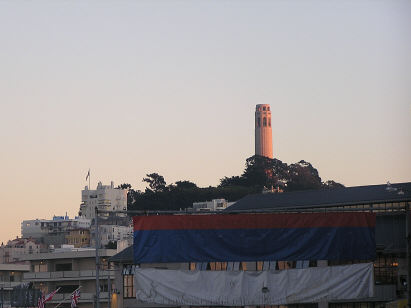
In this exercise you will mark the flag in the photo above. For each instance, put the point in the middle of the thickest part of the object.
(254, 237)
(75, 296)
(40, 302)
(43, 299)
(88, 174)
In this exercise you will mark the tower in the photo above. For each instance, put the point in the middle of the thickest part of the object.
(263, 132)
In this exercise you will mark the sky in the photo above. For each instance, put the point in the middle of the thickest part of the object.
(126, 88)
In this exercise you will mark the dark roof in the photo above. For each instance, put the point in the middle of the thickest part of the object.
(124, 256)
(326, 197)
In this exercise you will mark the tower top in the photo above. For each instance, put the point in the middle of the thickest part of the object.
(262, 107)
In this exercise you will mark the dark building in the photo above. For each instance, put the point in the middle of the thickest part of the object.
(389, 202)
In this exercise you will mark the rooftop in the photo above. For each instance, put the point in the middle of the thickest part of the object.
(371, 194)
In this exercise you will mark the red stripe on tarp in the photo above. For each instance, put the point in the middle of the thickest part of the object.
(253, 221)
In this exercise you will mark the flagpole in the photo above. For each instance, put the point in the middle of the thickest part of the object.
(70, 297)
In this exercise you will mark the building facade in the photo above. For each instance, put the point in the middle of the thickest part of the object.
(11, 275)
(14, 250)
(263, 131)
(54, 231)
(389, 202)
(104, 197)
(213, 205)
(39, 228)
(113, 233)
(68, 269)
(78, 238)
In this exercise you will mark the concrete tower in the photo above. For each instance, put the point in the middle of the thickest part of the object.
(263, 132)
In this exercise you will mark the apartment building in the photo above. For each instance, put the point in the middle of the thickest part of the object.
(112, 233)
(11, 275)
(68, 268)
(13, 251)
(78, 238)
(53, 231)
(104, 197)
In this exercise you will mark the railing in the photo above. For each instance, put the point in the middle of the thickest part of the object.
(86, 274)
(85, 297)
(10, 284)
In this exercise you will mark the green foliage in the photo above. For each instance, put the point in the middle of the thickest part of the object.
(259, 173)
(111, 245)
(156, 182)
(124, 186)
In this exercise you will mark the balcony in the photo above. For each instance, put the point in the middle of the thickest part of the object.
(66, 275)
(8, 285)
(85, 297)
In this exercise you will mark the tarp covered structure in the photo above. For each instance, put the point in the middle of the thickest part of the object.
(254, 237)
(241, 288)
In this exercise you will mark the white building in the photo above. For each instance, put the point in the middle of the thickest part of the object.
(113, 233)
(105, 197)
(39, 228)
(211, 206)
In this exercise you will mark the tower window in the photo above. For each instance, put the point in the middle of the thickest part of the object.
(264, 121)
(269, 122)
(264, 108)
(268, 108)
(259, 122)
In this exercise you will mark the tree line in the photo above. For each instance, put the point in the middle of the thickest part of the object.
(259, 173)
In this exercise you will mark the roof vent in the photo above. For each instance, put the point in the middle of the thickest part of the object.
(390, 188)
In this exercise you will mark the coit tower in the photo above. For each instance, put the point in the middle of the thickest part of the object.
(263, 132)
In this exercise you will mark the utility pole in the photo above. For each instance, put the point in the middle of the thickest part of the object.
(97, 235)
(408, 241)
(109, 285)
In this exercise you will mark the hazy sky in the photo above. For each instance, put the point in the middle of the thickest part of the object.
(132, 87)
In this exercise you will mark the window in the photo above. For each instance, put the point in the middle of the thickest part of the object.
(268, 108)
(128, 286)
(264, 121)
(67, 288)
(40, 267)
(259, 122)
(263, 108)
(63, 267)
(269, 122)
(386, 269)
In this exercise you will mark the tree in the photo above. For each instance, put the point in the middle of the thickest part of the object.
(259, 171)
(331, 184)
(124, 186)
(111, 245)
(303, 176)
(185, 185)
(156, 182)
(232, 181)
